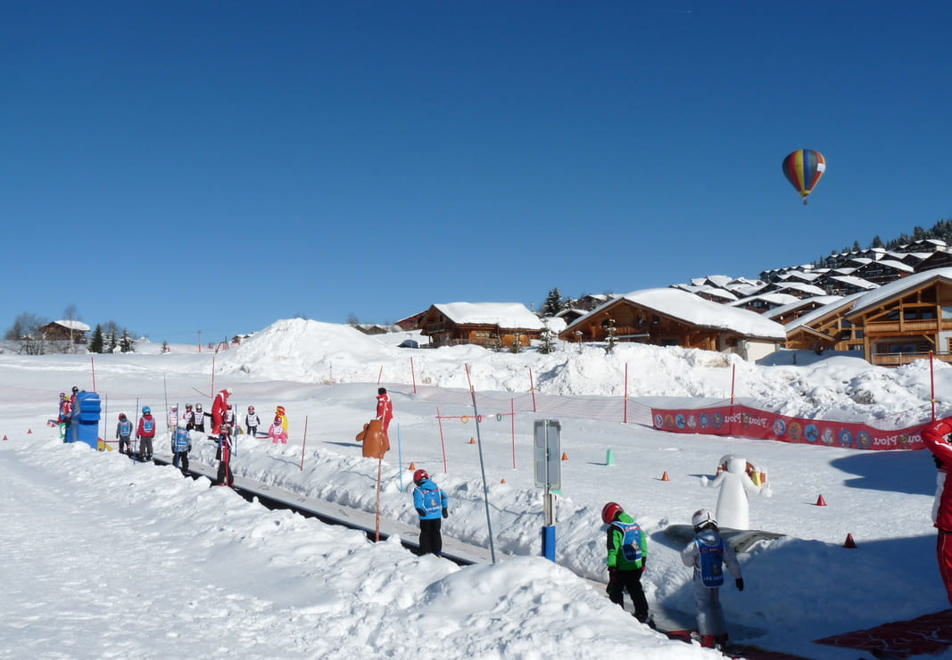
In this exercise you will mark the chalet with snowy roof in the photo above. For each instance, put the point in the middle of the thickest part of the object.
(764, 302)
(826, 328)
(787, 313)
(938, 259)
(570, 314)
(794, 288)
(671, 317)
(74, 331)
(844, 285)
(712, 293)
(883, 271)
(411, 322)
(907, 319)
(590, 301)
(484, 324)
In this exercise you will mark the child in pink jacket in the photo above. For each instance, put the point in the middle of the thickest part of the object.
(277, 432)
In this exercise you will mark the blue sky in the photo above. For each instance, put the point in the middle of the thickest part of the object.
(185, 166)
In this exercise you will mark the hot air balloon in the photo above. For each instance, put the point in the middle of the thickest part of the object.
(803, 169)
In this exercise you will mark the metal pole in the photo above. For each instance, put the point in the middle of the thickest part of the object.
(482, 468)
(304, 443)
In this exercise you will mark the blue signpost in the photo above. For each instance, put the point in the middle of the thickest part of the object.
(548, 475)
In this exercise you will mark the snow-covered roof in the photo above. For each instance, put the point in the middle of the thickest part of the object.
(771, 298)
(73, 325)
(896, 265)
(505, 315)
(855, 281)
(803, 287)
(693, 309)
(800, 275)
(820, 312)
(899, 287)
(801, 302)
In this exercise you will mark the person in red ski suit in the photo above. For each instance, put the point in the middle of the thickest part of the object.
(219, 407)
(936, 439)
(384, 408)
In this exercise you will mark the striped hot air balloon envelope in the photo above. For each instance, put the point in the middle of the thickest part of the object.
(803, 169)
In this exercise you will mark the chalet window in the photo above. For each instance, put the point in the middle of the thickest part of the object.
(893, 315)
(946, 312)
(858, 334)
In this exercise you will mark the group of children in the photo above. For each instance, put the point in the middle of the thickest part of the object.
(707, 554)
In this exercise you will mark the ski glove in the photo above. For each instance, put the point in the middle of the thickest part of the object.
(740, 584)
(446, 514)
(422, 512)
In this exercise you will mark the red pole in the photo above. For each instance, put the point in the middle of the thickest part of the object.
(92, 361)
(442, 443)
(512, 417)
(379, 470)
(413, 375)
(304, 443)
(213, 373)
(626, 393)
(532, 389)
(932, 379)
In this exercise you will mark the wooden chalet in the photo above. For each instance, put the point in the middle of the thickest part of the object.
(786, 313)
(672, 317)
(826, 328)
(411, 322)
(74, 331)
(907, 319)
(938, 259)
(883, 271)
(484, 324)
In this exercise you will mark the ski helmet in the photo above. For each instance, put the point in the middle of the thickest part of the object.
(251, 409)
(188, 406)
(122, 416)
(75, 389)
(609, 511)
(702, 519)
(419, 476)
(146, 410)
(198, 406)
(277, 419)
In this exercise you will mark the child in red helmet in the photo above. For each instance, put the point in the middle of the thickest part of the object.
(936, 439)
(627, 553)
(430, 502)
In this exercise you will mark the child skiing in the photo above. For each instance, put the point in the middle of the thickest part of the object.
(224, 465)
(627, 552)
(65, 416)
(707, 553)
(124, 434)
(430, 502)
(384, 408)
(199, 424)
(252, 422)
(277, 432)
(145, 433)
(189, 417)
(181, 445)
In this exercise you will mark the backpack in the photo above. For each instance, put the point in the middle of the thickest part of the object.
(631, 548)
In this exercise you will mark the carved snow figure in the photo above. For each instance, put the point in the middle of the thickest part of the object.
(733, 506)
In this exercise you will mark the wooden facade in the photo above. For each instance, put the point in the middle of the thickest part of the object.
(826, 329)
(67, 330)
(443, 330)
(909, 322)
(630, 321)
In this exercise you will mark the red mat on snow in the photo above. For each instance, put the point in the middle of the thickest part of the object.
(927, 634)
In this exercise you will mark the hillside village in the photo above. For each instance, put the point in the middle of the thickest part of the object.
(889, 306)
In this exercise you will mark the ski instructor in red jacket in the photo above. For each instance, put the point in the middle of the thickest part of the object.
(219, 407)
(936, 439)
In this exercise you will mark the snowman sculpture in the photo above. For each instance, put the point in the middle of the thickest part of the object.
(733, 507)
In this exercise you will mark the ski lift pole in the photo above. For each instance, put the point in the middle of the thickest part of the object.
(400, 457)
(303, 443)
(482, 468)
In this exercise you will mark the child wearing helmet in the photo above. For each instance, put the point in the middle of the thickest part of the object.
(225, 446)
(627, 553)
(707, 553)
(384, 408)
(124, 434)
(199, 423)
(252, 422)
(181, 445)
(145, 433)
(430, 502)
(277, 432)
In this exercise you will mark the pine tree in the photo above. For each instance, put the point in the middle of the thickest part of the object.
(547, 339)
(113, 342)
(126, 345)
(96, 342)
(554, 303)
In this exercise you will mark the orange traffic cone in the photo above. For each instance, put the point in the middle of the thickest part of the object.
(565, 456)
(665, 477)
(820, 501)
(849, 543)
(412, 466)
(4, 437)
(472, 441)
(502, 481)
(29, 431)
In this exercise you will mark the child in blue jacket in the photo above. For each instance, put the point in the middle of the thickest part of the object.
(430, 502)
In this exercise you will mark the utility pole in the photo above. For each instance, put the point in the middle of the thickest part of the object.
(199, 341)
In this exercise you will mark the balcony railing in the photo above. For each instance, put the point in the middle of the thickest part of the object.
(899, 359)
